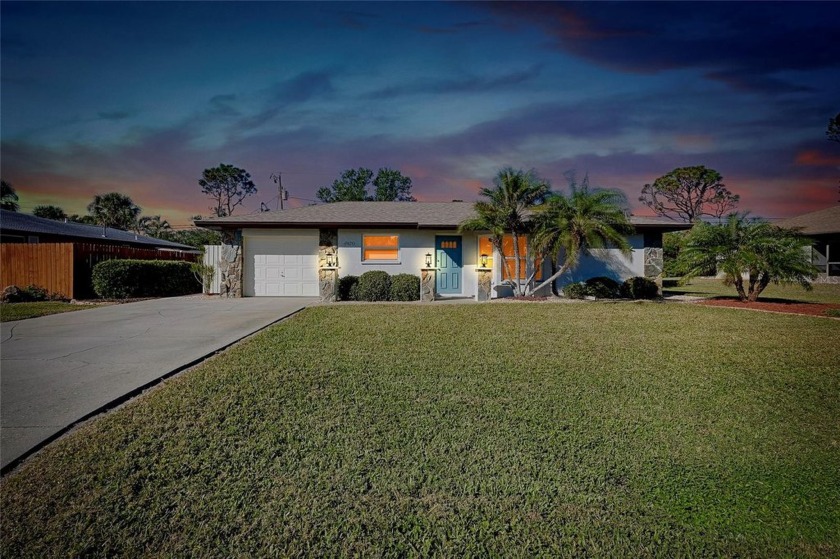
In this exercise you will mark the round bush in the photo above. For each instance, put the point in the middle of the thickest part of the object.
(640, 288)
(347, 287)
(576, 291)
(374, 286)
(405, 287)
(603, 287)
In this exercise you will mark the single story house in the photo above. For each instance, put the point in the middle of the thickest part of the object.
(16, 227)
(302, 251)
(59, 256)
(823, 226)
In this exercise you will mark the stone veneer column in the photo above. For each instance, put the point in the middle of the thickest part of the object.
(427, 284)
(483, 292)
(654, 264)
(230, 263)
(328, 284)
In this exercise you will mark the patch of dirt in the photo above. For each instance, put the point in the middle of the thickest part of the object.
(789, 307)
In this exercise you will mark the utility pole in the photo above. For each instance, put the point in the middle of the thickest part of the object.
(281, 195)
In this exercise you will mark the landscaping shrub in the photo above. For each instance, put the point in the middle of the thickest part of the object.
(405, 287)
(374, 286)
(833, 312)
(640, 288)
(347, 288)
(576, 291)
(30, 294)
(603, 288)
(120, 279)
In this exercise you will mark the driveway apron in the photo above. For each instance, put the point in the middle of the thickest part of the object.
(58, 369)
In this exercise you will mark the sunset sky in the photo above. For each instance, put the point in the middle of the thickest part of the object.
(139, 98)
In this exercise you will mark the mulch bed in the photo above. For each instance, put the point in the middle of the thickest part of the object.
(812, 309)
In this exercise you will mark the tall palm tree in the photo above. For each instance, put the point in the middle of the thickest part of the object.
(751, 253)
(587, 218)
(8, 197)
(152, 225)
(114, 210)
(508, 208)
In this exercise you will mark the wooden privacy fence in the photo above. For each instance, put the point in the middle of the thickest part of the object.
(66, 268)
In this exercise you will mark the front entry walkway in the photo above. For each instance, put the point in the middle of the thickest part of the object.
(60, 369)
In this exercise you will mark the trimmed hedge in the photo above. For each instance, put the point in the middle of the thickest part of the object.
(576, 291)
(30, 294)
(603, 288)
(640, 288)
(347, 288)
(121, 279)
(374, 286)
(405, 287)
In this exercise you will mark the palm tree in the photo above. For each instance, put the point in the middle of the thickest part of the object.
(567, 226)
(152, 225)
(507, 210)
(8, 197)
(751, 253)
(49, 212)
(114, 210)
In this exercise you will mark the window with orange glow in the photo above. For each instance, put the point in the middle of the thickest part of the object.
(381, 247)
(507, 250)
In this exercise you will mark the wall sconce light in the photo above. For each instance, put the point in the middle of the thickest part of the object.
(428, 259)
(483, 260)
(330, 260)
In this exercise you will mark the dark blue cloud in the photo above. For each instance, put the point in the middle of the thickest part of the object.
(303, 87)
(742, 44)
(466, 84)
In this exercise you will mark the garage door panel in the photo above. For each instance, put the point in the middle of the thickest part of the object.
(281, 265)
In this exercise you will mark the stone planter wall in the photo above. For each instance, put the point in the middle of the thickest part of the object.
(230, 263)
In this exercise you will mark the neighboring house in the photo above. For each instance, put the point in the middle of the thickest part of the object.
(302, 251)
(59, 256)
(823, 227)
(17, 227)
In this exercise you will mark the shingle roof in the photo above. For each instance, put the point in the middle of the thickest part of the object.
(25, 223)
(424, 215)
(821, 222)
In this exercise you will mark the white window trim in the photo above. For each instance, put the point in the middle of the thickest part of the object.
(366, 262)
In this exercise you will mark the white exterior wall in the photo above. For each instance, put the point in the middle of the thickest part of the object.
(414, 244)
(212, 256)
(609, 262)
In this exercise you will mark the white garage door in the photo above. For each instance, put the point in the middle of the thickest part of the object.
(281, 265)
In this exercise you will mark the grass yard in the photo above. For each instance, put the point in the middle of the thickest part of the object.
(515, 430)
(20, 311)
(822, 293)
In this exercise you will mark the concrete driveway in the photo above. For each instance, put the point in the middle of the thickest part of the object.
(58, 369)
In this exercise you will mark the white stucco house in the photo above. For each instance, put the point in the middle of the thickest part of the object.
(302, 251)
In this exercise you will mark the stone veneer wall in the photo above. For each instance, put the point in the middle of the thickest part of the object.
(327, 243)
(484, 280)
(654, 264)
(230, 263)
(427, 285)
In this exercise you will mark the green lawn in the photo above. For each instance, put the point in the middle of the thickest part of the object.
(20, 311)
(822, 293)
(511, 430)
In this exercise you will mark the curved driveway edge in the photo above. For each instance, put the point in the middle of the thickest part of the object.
(58, 370)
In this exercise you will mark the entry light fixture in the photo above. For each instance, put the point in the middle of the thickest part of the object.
(330, 260)
(428, 259)
(483, 260)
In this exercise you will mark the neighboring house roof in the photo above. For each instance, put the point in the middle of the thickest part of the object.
(15, 222)
(421, 215)
(822, 222)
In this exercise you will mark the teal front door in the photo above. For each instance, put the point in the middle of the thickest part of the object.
(448, 260)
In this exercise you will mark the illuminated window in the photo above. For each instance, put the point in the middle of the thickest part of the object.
(507, 250)
(381, 248)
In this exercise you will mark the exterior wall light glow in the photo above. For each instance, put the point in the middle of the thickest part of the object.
(428, 259)
(483, 260)
(330, 260)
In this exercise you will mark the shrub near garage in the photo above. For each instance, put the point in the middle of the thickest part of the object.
(374, 286)
(348, 288)
(121, 279)
(602, 287)
(640, 288)
(405, 287)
